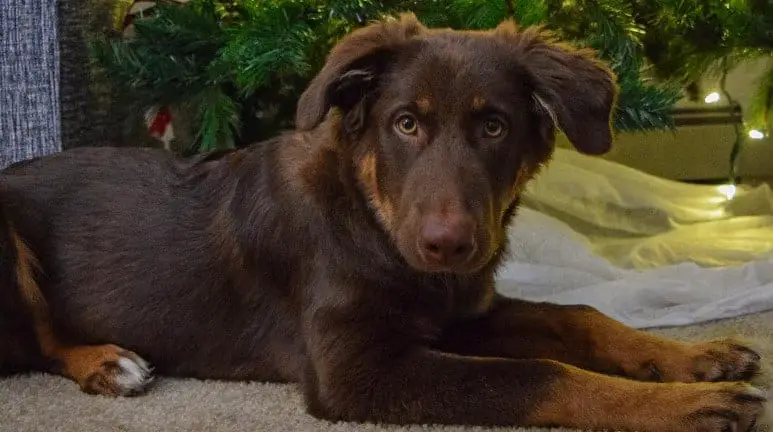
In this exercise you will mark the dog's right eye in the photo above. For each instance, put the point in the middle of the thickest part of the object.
(407, 124)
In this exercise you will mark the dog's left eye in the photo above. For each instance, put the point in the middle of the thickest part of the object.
(493, 128)
(407, 124)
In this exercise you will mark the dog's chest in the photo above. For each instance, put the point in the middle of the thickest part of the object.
(446, 303)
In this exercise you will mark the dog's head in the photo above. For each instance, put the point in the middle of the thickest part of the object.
(445, 127)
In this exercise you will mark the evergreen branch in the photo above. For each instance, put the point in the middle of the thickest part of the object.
(614, 34)
(178, 30)
(644, 106)
(435, 13)
(481, 14)
(272, 44)
(531, 12)
(218, 117)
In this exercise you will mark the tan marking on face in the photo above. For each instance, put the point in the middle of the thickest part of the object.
(524, 175)
(478, 102)
(424, 104)
(366, 174)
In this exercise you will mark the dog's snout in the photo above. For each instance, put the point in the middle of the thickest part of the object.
(447, 240)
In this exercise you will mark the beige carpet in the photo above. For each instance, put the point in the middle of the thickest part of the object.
(47, 403)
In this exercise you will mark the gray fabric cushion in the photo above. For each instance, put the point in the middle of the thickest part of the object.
(29, 80)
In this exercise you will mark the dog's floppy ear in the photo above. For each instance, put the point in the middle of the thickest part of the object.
(571, 87)
(353, 67)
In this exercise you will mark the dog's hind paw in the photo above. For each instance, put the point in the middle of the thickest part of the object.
(134, 374)
(117, 373)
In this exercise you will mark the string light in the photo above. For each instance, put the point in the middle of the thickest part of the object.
(756, 134)
(712, 97)
(727, 190)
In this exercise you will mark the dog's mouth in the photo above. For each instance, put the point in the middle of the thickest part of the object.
(419, 260)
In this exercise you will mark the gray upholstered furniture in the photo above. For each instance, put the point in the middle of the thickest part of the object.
(30, 122)
(49, 99)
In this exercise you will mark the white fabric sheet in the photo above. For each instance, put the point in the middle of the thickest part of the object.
(645, 250)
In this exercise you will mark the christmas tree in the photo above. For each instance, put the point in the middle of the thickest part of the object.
(689, 40)
(237, 67)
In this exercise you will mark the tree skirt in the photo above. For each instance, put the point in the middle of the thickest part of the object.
(645, 250)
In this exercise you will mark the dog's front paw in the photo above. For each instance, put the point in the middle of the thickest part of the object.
(719, 360)
(724, 360)
(718, 407)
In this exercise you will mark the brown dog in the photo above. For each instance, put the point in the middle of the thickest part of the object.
(355, 255)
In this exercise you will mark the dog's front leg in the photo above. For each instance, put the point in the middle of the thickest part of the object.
(584, 337)
(360, 371)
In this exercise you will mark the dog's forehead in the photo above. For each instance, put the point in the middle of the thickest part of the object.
(456, 66)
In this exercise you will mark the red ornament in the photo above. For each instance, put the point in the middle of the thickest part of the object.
(159, 124)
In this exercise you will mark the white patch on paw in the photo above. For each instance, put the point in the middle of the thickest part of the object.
(756, 392)
(133, 375)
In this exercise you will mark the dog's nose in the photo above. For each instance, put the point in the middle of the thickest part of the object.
(447, 240)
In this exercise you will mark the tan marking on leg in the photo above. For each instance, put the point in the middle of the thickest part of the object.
(586, 400)
(615, 347)
(26, 266)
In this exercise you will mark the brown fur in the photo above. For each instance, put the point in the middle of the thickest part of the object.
(350, 255)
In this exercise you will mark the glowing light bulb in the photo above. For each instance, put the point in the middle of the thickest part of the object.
(712, 97)
(756, 134)
(727, 190)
